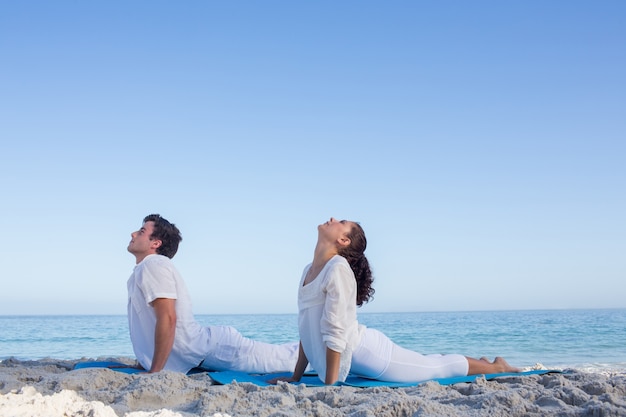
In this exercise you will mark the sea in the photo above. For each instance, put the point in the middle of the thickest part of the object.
(589, 340)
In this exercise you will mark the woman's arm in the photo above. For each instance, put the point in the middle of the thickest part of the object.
(301, 365)
(332, 366)
(338, 316)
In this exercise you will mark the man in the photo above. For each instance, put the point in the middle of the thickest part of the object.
(162, 327)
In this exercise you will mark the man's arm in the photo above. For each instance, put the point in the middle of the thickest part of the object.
(165, 310)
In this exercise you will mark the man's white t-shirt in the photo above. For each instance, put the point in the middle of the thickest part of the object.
(156, 277)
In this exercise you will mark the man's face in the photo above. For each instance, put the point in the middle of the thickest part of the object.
(141, 244)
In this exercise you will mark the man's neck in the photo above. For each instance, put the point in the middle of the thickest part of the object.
(140, 258)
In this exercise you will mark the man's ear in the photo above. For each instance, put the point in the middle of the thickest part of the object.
(156, 243)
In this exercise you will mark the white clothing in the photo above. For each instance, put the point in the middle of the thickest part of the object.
(215, 347)
(377, 357)
(230, 351)
(156, 277)
(327, 316)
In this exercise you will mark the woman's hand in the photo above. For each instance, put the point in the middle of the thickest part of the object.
(291, 378)
(301, 365)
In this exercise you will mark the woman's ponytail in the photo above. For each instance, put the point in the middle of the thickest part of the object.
(354, 254)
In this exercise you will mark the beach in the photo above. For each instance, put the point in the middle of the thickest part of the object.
(50, 387)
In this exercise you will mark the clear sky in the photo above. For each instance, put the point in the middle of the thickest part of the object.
(481, 145)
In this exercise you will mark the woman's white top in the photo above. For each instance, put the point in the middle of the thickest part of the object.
(327, 315)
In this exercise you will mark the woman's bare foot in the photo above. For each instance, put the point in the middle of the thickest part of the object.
(483, 366)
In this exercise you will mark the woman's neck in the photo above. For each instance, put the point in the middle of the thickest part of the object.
(322, 254)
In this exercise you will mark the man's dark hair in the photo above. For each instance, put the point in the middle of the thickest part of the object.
(167, 233)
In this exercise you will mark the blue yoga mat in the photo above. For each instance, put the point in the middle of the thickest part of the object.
(311, 380)
(114, 366)
(122, 367)
(226, 377)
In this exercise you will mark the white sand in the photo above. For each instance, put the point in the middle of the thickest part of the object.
(50, 388)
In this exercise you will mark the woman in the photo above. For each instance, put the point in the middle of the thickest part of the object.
(332, 340)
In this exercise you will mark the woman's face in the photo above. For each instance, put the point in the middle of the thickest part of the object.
(335, 230)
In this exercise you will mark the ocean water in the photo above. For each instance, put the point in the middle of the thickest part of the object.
(593, 340)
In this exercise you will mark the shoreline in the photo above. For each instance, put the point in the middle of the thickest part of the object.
(49, 387)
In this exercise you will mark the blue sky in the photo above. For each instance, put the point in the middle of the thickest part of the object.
(480, 145)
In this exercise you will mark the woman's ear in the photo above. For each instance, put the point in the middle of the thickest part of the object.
(344, 241)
